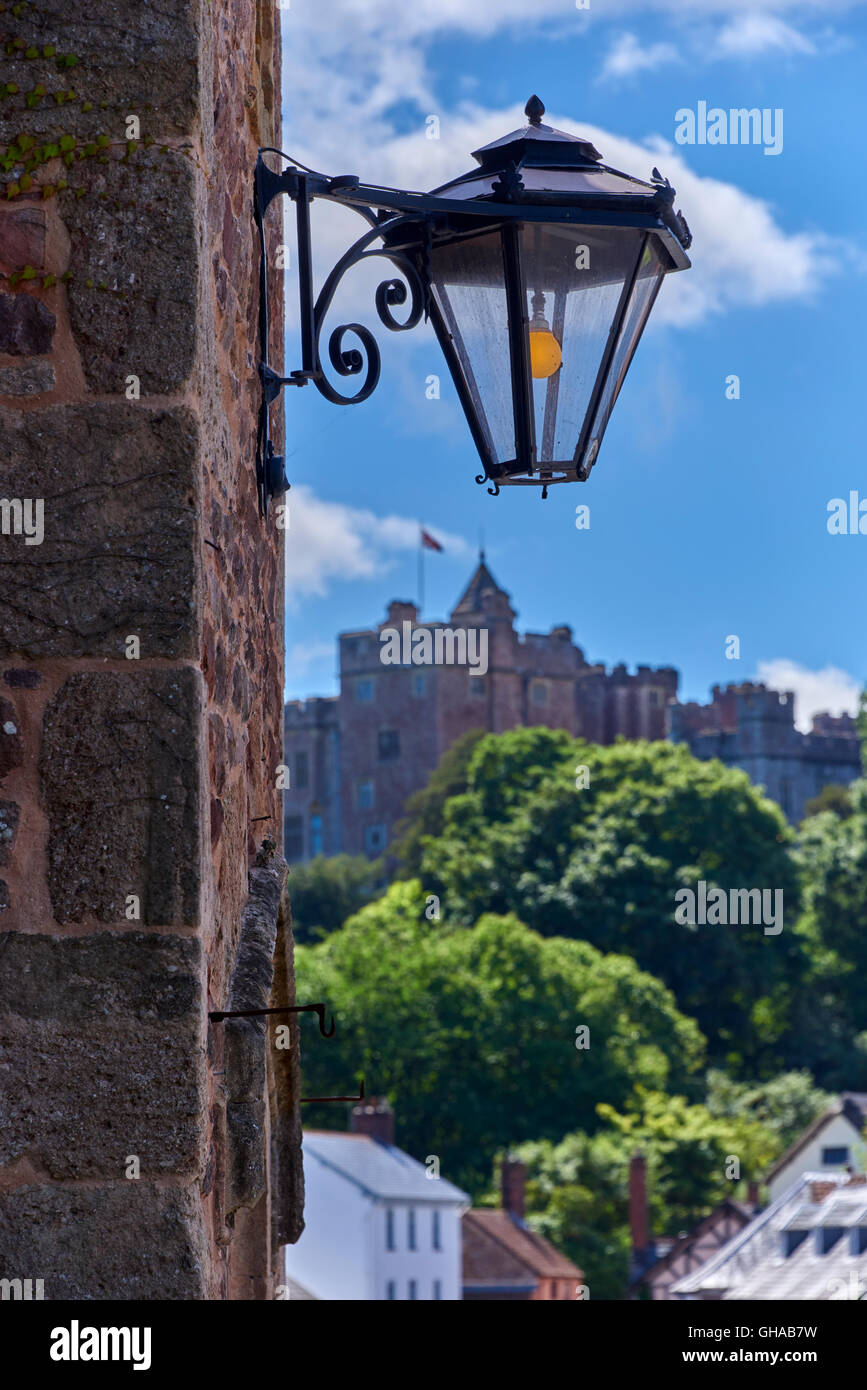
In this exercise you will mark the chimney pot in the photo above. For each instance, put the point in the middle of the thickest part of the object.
(638, 1223)
(513, 1177)
(375, 1118)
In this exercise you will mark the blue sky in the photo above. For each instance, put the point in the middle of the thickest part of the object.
(707, 515)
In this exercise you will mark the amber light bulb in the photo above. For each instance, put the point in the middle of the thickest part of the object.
(545, 354)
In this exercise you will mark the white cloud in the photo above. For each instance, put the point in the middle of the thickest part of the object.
(751, 34)
(329, 542)
(829, 690)
(302, 655)
(628, 56)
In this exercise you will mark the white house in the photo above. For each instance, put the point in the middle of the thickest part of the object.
(809, 1244)
(378, 1224)
(831, 1144)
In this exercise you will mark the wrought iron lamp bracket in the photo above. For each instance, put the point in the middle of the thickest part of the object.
(408, 253)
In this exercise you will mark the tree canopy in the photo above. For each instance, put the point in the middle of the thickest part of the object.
(591, 842)
(473, 1034)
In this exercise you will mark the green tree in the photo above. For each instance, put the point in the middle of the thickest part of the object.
(326, 891)
(578, 1189)
(784, 1106)
(603, 862)
(423, 814)
(832, 1021)
(831, 798)
(473, 1033)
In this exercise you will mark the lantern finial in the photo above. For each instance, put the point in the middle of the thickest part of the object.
(534, 111)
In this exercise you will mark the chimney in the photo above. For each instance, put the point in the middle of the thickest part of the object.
(375, 1118)
(638, 1203)
(753, 1195)
(513, 1176)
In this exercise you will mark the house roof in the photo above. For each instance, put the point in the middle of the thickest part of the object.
(852, 1104)
(752, 1266)
(380, 1170)
(738, 1209)
(499, 1250)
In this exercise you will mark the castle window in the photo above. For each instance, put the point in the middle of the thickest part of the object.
(539, 692)
(316, 836)
(419, 685)
(389, 745)
(477, 685)
(365, 795)
(364, 691)
(293, 839)
(374, 839)
(654, 697)
(302, 771)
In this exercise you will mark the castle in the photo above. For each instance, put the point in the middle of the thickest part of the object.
(355, 758)
(753, 728)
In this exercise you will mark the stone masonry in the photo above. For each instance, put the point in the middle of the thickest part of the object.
(746, 725)
(145, 1152)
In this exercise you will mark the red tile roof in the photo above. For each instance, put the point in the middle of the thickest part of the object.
(496, 1246)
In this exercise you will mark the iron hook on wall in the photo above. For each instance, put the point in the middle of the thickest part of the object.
(218, 1015)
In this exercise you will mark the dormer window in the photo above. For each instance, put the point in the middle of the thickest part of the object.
(791, 1241)
(826, 1237)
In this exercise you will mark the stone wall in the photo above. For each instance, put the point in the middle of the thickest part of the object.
(141, 648)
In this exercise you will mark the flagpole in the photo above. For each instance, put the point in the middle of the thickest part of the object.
(420, 571)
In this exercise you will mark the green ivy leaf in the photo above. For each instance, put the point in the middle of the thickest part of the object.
(67, 142)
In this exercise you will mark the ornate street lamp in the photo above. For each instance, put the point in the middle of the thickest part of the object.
(538, 271)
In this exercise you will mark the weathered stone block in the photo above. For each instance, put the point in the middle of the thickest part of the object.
(135, 58)
(26, 325)
(32, 379)
(22, 678)
(120, 768)
(118, 558)
(22, 237)
(133, 1240)
(246, 1154)
(134, 232)
(102, 1036)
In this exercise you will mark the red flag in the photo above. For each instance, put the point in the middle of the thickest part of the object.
(428, 541)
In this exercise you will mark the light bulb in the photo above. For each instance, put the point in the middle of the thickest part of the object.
(545, 354)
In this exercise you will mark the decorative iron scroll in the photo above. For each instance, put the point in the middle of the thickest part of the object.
(346, 360)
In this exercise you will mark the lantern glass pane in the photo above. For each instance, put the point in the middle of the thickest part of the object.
(650, 272)
(575, 278)
(469, 286)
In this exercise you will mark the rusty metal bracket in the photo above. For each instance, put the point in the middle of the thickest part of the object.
(319, 1009)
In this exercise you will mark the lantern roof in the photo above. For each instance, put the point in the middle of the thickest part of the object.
(537, 168)
(536, 144)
